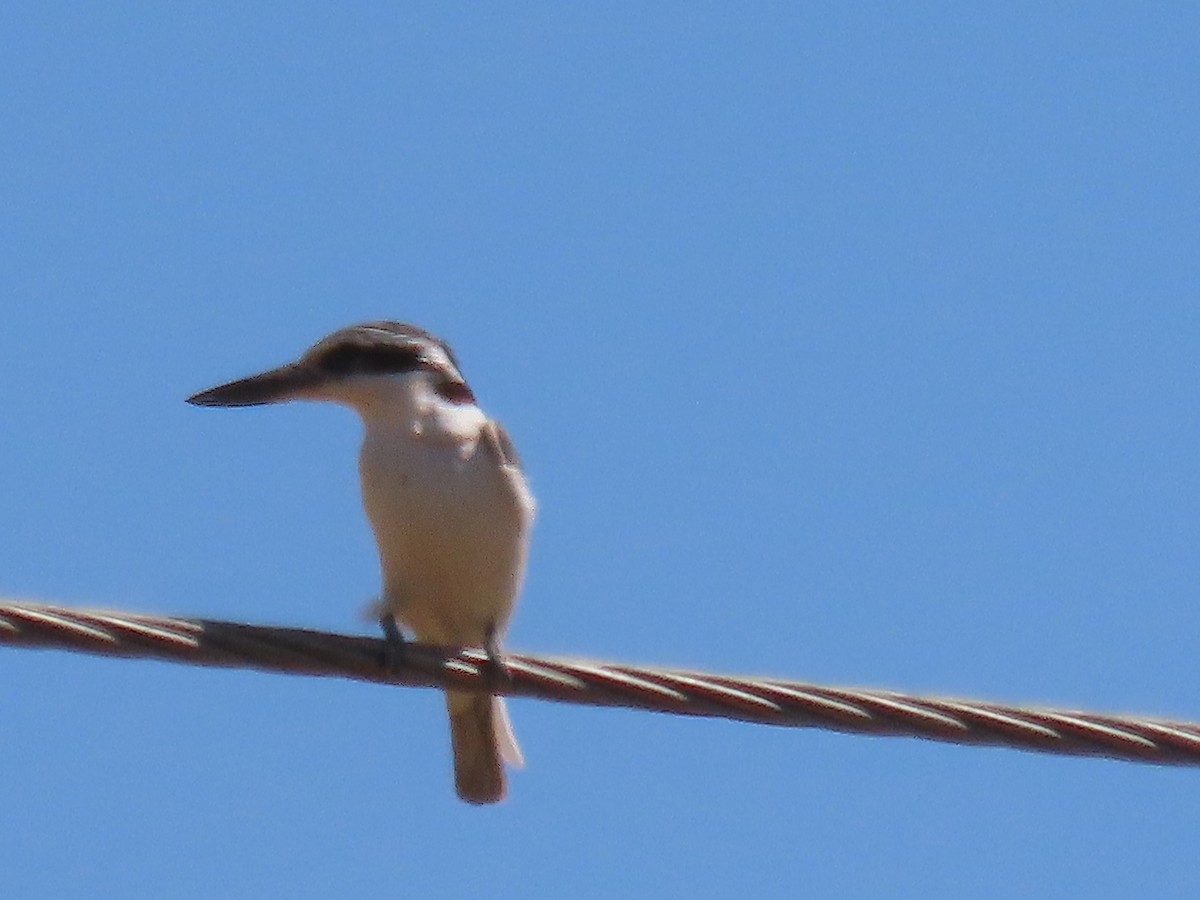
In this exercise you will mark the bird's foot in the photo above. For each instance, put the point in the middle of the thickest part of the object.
(395, 647)
(498, 670)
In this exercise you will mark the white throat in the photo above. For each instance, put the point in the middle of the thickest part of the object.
(408, 403)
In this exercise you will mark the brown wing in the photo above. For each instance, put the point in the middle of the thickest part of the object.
(496, 443)
(499, 444)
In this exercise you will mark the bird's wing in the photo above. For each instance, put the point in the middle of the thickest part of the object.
(499, 446)
(497, 442)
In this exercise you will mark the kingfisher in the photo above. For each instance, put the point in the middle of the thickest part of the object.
(447, 500)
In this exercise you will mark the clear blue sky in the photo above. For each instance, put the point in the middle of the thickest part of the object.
(854, 345)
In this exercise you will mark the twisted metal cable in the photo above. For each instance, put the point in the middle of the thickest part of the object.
(769, 701)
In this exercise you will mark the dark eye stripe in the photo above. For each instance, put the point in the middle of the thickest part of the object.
(455, 391)
(369, 359)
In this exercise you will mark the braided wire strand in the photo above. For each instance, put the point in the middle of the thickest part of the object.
(769, 701)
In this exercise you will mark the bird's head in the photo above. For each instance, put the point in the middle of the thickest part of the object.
(361, 366)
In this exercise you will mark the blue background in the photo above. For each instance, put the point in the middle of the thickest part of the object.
(841, 342)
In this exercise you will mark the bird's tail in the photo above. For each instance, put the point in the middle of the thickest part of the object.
(482, 738)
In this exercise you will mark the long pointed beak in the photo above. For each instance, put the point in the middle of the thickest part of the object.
(288, 382)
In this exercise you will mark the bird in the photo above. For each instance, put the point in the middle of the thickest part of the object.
(447, 500)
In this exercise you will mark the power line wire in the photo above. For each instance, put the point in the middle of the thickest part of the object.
(769, 701)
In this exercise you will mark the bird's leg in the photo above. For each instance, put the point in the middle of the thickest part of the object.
(395, 648)
(498, 669)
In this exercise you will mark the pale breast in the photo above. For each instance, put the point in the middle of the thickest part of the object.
(451, 524)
